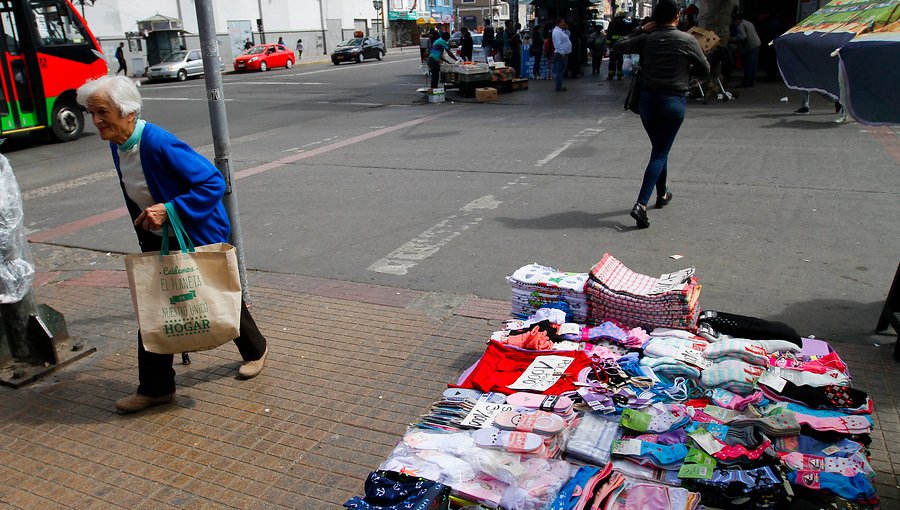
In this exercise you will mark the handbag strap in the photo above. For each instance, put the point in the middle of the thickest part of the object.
(184, 241)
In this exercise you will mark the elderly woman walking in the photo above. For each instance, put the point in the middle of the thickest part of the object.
(155, 168)
(667, 58)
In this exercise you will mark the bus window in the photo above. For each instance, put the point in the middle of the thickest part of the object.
(9, 33)
(55, 25)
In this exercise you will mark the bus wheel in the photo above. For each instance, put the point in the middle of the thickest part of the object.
(68, 121)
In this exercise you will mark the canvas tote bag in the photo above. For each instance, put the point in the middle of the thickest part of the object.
(186, 300)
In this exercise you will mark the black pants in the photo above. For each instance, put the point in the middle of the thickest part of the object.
(435, 67)
(156, 376)
(122, 67)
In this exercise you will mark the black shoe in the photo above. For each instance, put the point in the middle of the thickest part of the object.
(662, 201)
(803, 110)
(640, 215)
(562, 89)
(609, 78)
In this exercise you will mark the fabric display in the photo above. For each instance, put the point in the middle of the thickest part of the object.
(616, 292)
(611, 390)
(534, 286)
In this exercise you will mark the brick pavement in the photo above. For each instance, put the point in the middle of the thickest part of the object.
(350, 366)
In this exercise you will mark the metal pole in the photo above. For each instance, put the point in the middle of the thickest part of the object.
(215, 98)
(262, 32)
(324, 35)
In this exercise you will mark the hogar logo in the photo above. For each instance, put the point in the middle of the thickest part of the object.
(191, 327)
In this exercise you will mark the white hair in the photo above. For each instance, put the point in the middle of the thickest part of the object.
(119, 90)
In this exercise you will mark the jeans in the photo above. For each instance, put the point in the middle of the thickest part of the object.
(661, 114)
(434, 66)
(750, 59)
(156, 377)
(559, 68)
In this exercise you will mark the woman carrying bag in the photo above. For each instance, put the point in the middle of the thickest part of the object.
(667, 58)
(159, 173)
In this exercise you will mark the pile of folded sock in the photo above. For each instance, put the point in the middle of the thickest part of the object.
(616, 292)
(535, 286)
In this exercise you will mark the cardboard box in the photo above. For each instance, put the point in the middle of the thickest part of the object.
(707, 38)
(520, 84)
(436, 95)
(486, 94)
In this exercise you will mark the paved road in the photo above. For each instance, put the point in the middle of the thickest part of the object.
(344, 173)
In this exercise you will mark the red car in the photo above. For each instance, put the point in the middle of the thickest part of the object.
(263, 57)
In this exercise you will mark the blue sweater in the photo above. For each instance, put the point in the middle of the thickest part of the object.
(176, 173)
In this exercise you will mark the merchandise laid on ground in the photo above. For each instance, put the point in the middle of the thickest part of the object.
(468, 76)
(613, 390)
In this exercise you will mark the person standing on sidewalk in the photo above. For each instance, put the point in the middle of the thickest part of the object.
(466, 44)
(487, 39)
(562, 47)
(748, 40)
(618, 28)
(667, 57)
(597, 45)
(435, 56)
(156, 169)
(536, 50)
(299, 49)
(120, 58)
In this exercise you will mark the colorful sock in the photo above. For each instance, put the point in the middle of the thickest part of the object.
(822, 413)
(855, 488)
(845, 425)
(724, 398)
(849, 466)
(777, 425)
(731, 374)
(812, 446)
(826, 397)
(718, 430)
(670, 367)
(736, 348)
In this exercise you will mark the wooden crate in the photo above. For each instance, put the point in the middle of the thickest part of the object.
(485, 94)
(520, 84)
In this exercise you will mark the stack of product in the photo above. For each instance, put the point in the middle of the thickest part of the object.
(738, 413)
(535, 286)
(616, 292)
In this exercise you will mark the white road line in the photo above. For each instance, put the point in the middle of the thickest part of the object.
(145, 98)
(69, 184)
(339, 68)
(426, 244)
(557, 152)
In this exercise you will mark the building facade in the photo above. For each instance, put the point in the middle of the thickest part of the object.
(321, 24)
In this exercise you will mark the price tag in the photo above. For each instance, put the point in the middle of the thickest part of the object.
(773, 381)
(720, 413)
(706, 441)
(695, 471)
(670, 281)
(695, 456)
(627, 447)
(570, 328)
(482, 415)
(635, 420)
(542, 373)
(692, 357)
(831, 450)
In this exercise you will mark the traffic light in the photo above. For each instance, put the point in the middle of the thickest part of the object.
(259, 25)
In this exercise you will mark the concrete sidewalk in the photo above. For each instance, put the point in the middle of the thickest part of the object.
(350, 366)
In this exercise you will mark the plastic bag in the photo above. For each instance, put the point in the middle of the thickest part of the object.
(16, 269)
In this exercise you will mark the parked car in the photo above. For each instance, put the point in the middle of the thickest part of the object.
(477, 50)
(358, 49)
(263, 57)
(178, 66)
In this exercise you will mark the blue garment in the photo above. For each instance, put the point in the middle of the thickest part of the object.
(390, 490)
(438, 49)
(661, 114)
(176, 173)
(559, 69)
(570, 493)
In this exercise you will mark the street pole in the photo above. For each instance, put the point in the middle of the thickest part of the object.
(215, 99)
(262, 34)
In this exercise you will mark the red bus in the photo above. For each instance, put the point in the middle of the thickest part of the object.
(46, 53)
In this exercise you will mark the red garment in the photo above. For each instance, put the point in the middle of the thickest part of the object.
(501, 365)
(535, 339)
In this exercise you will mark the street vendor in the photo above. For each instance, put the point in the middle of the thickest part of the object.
(435, 56)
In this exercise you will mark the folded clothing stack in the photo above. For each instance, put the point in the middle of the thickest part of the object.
(616, 292)
(535, 286)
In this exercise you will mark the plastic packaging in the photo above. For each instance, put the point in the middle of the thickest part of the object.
(16, 269)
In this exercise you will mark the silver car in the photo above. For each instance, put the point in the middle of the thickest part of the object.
(179, 65)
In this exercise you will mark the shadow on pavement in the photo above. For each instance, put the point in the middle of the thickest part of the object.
(840, 320)
(570, 219)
